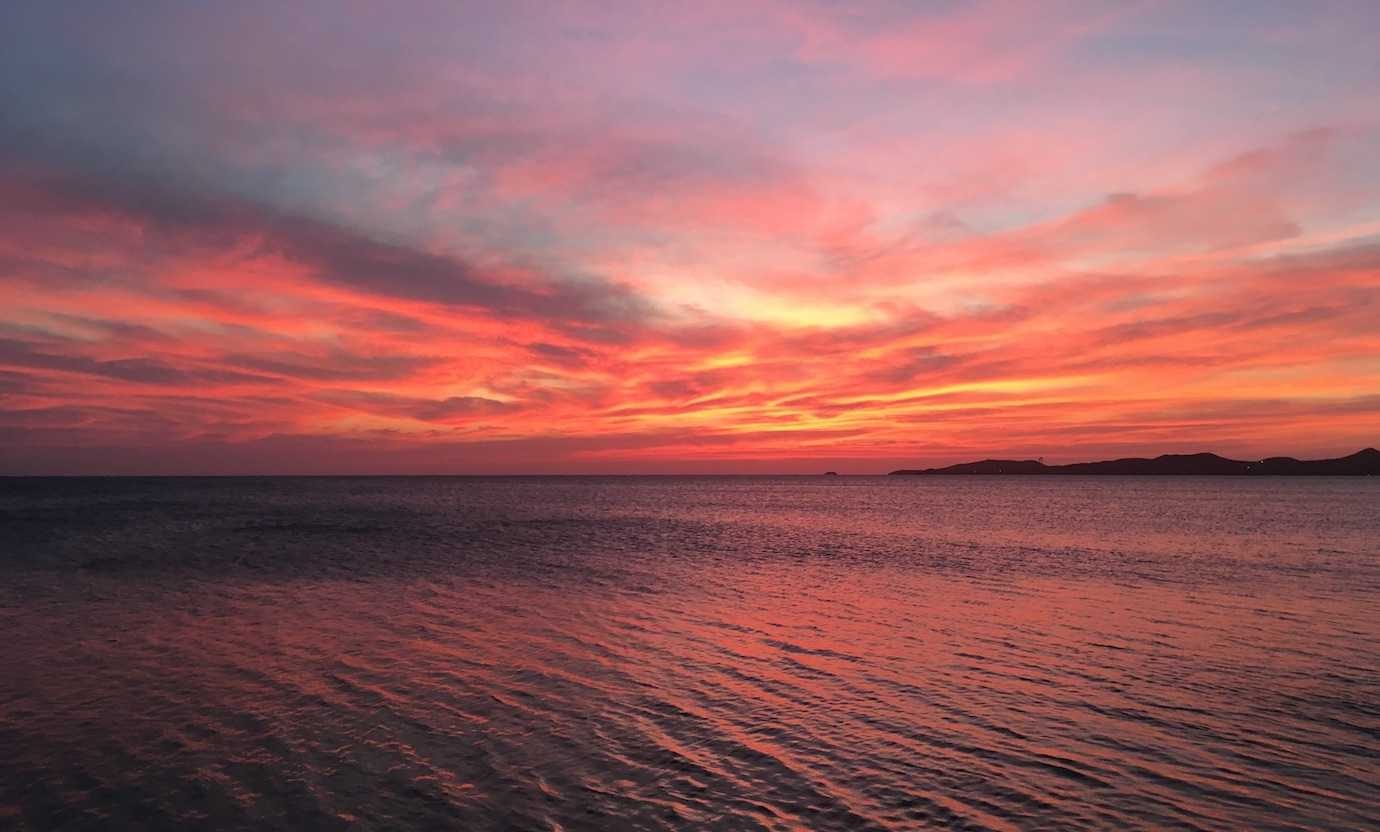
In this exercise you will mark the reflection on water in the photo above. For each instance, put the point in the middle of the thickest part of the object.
(698, 653)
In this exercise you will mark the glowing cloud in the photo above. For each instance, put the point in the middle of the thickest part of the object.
(740, 237)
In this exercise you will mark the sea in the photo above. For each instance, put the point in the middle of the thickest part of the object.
(690, 653)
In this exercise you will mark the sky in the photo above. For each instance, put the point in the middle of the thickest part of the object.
(714, 237)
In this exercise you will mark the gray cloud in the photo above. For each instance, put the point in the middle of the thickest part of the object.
(585, 307)
(427, 410)
(138, 370)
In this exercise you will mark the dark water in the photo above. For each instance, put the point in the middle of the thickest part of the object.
(807, 653)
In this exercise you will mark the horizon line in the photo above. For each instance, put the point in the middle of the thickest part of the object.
(520, 475)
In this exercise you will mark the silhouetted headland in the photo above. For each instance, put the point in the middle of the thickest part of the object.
(1360, 464)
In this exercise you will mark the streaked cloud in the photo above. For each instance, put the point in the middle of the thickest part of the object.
(749, 236)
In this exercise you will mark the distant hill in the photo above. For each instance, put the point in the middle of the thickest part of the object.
(1361, 463)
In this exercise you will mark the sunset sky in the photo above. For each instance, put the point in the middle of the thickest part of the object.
(749, 236)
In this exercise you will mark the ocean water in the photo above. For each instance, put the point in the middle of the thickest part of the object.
(690, 653)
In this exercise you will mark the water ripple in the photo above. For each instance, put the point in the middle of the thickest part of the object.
(731, 654)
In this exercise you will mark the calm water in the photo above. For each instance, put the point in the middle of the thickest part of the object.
(690, 653)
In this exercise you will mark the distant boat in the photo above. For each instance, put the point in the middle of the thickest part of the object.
(831, 473)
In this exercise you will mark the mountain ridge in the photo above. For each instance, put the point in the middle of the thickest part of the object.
(1365, 462)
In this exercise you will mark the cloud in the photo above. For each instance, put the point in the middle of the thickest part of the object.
(451, 409)
(591, 237)
(137, 370)
(337, 365)
(332, 254)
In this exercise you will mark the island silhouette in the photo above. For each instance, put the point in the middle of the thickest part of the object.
(1362, 463)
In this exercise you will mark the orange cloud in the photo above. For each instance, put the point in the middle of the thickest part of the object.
(782, 237)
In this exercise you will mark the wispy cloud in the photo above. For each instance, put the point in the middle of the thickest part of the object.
(720, 237)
